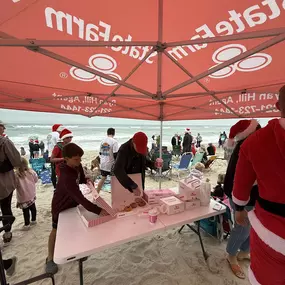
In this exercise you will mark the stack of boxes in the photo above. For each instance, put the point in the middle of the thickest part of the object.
(189, 192)
(152, 197)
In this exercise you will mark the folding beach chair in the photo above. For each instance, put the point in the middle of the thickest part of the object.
(183, 164)
(38, 164)
(166, 166)
(176, 151)
(197, 158)
(210, 161)
(45, 176)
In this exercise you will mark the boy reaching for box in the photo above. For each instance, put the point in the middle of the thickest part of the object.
(68, 195)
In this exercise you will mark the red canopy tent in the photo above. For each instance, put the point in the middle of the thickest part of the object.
(151, 60)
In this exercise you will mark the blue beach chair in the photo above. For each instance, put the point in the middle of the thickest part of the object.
(183, 164)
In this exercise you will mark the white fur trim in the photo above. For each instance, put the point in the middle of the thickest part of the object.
(271, 239)
(282, 122)
(230, 143)
(67, 136)
(252, 278)
(60, 128)
(239, 202)
(249, 130)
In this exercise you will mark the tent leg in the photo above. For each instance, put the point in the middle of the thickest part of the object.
(160, 154)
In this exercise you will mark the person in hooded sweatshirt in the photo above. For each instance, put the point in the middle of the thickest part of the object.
(68, 195)
(239, 241)
(9, 158)
(256, 163)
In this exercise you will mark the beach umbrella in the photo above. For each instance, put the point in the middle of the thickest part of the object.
(152, 60)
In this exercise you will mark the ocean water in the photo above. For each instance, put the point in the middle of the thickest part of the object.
(89, 136)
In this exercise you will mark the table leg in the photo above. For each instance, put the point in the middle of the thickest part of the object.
(2, 271)
(81, 270)
(205, 254)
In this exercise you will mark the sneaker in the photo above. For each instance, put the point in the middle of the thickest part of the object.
(10, 271)
(26, 228)
(51, 267)
(7, 237)
(33, 223)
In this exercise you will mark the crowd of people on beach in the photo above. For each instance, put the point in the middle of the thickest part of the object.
(254, 186)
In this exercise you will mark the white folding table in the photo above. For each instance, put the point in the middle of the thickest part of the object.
(74, 241)
(191, 216)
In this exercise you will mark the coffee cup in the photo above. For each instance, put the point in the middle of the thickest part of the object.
(152, 215)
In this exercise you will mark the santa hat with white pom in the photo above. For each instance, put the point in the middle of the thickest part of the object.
(241, 130)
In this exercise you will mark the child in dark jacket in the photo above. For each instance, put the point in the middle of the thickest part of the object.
(68, 195)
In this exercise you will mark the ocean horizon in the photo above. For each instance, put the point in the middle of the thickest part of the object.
(89, 136)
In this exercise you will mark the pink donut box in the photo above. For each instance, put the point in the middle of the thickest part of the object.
(152, 197)
(90, 219)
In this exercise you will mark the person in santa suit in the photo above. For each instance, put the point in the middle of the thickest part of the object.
(238, 243)
(187, 141)
(256, 163)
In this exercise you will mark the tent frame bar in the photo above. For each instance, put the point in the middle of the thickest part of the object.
(199, 83)
(235, 59)
(80, 43)
(125, 79)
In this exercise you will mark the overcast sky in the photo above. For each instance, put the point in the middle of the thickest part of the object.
(26, 117)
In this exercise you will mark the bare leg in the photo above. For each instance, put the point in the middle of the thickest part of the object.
(51, 244)
(101, 183)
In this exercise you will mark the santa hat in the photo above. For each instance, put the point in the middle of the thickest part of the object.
(241, 130)
(36, 141)
(187, 130)
(56, 127)
(65, 133)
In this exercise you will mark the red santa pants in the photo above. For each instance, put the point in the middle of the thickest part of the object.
(267, 265)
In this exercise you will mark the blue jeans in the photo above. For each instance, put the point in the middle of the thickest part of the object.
(239, 238)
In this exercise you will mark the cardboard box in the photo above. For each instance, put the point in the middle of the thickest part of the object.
(189, 189)
(90, 219)
(189, 205)
(172, 205)
(152, 197)
(122, 197)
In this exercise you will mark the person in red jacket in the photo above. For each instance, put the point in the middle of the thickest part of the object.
(67, 195)
(56, 157)
(256, 163)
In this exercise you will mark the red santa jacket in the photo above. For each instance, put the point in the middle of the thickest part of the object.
(262, 158)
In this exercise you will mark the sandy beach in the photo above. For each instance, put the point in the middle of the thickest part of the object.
(165, 259)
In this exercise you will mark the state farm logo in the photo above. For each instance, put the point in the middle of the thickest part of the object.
(100, 62)
(254, 62)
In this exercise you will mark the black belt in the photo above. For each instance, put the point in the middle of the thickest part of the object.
(272, 207)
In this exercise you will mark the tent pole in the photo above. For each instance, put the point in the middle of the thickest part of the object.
(160, 150)
(160, 50)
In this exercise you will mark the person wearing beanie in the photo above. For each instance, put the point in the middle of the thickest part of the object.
(187, 141)
(56, 157)
(52, 140)
(132, 158)
(238, 243)
(256, 163)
